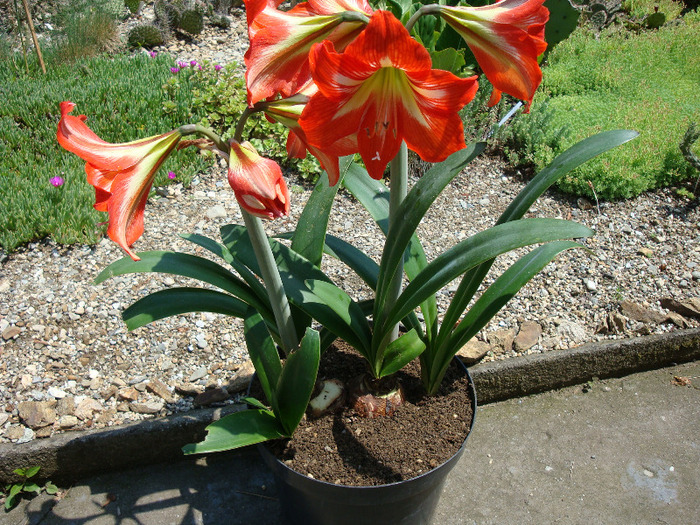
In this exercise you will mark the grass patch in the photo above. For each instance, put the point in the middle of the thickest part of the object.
(648, 82)
(123, 99)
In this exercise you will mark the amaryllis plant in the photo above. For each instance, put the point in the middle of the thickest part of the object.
(348, 81)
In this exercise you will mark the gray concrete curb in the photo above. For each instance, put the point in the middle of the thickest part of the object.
(68, 457)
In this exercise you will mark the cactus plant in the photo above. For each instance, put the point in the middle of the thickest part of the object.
(133, 5)
(191, 21)
(145, 35)
(168, 13)
(563, 19)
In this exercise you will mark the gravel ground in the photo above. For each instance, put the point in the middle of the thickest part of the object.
(68, 362)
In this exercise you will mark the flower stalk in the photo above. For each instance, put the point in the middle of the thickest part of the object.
(273, 281)
(397, 193)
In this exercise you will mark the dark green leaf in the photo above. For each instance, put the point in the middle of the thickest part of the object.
(310, 233)
(489, 304)
(241, 429)
(297, 381)
(400, 352)
(177, 301)
(560, 166)
(185, 265)
(263, 353)
(475, 250)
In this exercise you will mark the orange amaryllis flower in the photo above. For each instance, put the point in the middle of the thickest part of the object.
(277, 60)
(382, 90)
(257, 182)
(122, 174)
(287, 112)
(506, 39)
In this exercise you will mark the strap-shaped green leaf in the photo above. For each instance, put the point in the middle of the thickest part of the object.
(297, 381)
(310, 232)
(219, 249)
(412, 210)
(475, 250)
(400, 352)
(374, 196)
(185, 265)
(240, 429)
(263, 353)
(178, 301)
(573, 157)
(363, 265)
(570, 159)
(294, 271)
(489, 304)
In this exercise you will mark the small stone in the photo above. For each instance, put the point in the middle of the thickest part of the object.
(242, 379)
(646, 252)
(502, 338)
(688, 308)
(198, 374)
(574, 332)
(201, 341)
(215, 212)
(591, 285)
(215, 395)
(160, 389)
(639, 313)
(528, 336)
(37, 414)
(151, 407)
(128, 394)
(66, 406)
(65, 422)
(4, 416)
(11, 332)
(56, 393)
(15, 432)
(44, 432)
(473, 351)
(87, 408)
(188, 389)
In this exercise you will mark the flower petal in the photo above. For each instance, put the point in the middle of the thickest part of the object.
(277, 60)
(257, 182)
(122, 174)
(506, 39)
(382, 91)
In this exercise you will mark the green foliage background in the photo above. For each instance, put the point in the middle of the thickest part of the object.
(648, 82)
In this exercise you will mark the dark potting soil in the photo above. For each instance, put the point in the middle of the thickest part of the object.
(346, 449)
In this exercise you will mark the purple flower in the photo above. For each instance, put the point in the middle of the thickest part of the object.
(153, 53)
(174, 70)
(171, 175)
(218, 67)
(193, 63)
(56, 181)
(181, 65)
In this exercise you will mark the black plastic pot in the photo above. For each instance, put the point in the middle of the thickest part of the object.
(306, 501)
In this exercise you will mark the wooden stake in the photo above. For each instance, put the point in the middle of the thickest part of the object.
(31, 30)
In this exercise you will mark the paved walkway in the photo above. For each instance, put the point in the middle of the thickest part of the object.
(625, 451)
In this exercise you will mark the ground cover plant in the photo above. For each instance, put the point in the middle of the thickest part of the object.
(124, 97)
(646, 81)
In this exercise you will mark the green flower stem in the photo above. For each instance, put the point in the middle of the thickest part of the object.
(397, 193)
(221, 144)
(238, 133)
(273, 282)
(425, 10)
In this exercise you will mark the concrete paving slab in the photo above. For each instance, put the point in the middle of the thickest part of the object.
(618, 451)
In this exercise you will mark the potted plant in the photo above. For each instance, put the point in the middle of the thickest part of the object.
(346, 80)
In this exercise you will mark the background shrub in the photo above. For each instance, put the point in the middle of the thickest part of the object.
(648, 82)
